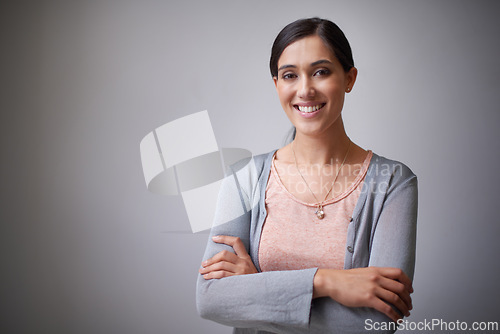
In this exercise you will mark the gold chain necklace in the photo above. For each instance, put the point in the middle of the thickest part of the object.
(319, 211)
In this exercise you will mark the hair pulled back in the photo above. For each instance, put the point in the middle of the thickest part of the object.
(328, 31)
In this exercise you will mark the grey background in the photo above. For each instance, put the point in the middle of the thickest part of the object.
(84, 246)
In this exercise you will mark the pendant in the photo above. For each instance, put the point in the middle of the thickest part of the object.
(320, 213)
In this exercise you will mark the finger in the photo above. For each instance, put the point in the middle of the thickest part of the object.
(223, 265)
(224, 255)
(217, 274)
(386, 309)
(398, 274)
(393, 299)
(234, 242)
(398, 288)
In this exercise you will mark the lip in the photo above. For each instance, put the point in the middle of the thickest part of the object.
(309, 104)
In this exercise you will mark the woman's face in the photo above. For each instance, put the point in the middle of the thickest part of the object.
(311, 84)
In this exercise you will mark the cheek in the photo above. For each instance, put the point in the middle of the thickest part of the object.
(285, 94)
(333, 87)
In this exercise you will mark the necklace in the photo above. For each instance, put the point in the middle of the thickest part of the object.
(319, 211)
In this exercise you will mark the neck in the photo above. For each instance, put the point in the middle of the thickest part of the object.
(329, 148)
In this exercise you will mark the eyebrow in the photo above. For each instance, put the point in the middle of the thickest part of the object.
(322, 61)
(318, 62)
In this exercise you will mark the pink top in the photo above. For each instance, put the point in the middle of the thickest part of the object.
(294, 238)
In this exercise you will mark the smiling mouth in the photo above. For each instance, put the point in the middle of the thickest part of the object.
(308, 109)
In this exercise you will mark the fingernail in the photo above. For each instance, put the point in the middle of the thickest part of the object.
(216, 237)
(204, 263)
(205, 276)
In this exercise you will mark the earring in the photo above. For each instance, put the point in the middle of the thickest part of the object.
(348, 89)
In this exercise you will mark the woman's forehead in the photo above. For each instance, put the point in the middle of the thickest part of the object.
(306, 51)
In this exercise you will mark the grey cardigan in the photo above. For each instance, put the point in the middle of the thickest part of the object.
(382, 232)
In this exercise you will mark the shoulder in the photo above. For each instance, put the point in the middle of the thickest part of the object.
(263, 160)
(256, 164)
(382, 167)
(250, 174)
(386, 176)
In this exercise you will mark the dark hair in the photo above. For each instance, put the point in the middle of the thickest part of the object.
(328, 31)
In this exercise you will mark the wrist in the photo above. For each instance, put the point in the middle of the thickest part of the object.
(319, 289)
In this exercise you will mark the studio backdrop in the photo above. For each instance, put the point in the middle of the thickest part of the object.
(85, 247)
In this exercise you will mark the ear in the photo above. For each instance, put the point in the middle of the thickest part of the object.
(351, 77)
(275, 79)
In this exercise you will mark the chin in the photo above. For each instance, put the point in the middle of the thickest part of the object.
(310, 131)
(317, 128)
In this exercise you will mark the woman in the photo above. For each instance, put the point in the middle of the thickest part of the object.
(326, 238)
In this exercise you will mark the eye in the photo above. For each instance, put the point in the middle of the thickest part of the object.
(288, 76)
(321, 72)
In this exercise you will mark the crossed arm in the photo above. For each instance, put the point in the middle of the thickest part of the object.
(371, 287)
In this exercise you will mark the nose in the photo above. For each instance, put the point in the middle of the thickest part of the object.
(306, 88)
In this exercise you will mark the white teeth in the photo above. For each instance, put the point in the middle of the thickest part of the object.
(309, 109)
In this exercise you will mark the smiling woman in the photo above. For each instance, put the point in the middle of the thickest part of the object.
(327, 238)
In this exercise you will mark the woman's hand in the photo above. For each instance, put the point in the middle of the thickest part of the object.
(371, 287)
(226, 263)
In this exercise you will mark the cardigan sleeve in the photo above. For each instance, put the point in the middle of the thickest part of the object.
(263, 300)
(393, 241)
